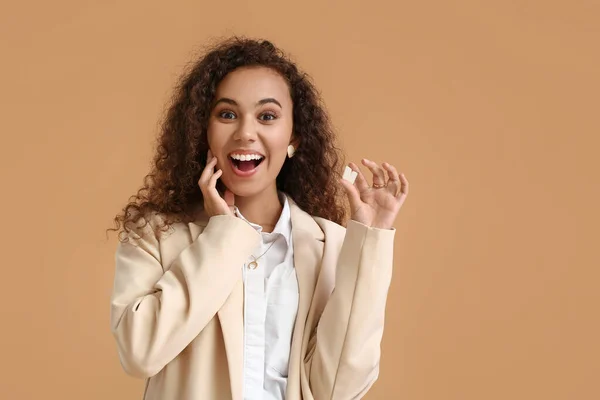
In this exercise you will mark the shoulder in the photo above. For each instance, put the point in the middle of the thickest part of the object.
(160, 236)
(153, 229)
(329, 227)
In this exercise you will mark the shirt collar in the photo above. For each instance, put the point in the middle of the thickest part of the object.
(284, 223)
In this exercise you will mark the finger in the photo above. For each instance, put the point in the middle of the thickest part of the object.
(212, 183)
(360, 182)
(353, 194)
(207, 173)
(378, 174)
(403, 186)
(392, 172)
(394, 180)
(205, 176)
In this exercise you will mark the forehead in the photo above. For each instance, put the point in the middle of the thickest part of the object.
(251, 84)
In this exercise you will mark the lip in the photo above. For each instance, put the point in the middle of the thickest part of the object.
(243, 174)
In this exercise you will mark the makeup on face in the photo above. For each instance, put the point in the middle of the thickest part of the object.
(250, 128)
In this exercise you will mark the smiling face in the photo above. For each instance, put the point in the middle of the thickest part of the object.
(250, 128)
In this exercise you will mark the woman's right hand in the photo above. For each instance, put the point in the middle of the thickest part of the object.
(214, 204)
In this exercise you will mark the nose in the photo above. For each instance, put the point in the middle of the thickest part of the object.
(246, 130)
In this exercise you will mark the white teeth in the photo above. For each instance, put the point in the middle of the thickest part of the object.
(246, 157)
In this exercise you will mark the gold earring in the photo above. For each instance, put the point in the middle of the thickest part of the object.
(290, 151)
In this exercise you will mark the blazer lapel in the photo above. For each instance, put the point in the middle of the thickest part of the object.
(308, 242)
(231, 318)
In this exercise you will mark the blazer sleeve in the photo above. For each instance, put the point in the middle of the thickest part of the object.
(156, 314)
(344, 353)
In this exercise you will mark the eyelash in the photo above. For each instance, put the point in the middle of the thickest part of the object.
(222, 114)
(270, 114)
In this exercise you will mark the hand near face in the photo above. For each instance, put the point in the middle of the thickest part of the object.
(214, 204)
(376, 206)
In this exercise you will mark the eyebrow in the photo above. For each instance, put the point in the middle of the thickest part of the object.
(268, 100)
(259, 103)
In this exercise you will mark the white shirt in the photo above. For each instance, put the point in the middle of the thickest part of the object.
(270, 308)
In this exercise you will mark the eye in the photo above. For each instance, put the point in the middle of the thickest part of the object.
(268, 116)
(225, 114)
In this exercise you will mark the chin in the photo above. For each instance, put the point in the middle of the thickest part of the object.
(248, 189)
(244, 192)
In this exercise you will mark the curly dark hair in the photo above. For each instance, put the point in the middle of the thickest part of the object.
(310, 178)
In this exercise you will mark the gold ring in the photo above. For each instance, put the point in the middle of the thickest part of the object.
(376, 186)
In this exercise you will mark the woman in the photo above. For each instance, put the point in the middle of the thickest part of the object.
(230, 254)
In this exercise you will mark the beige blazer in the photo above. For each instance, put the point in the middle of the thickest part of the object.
(177, 307)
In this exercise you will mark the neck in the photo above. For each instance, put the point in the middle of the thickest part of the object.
(263, 208)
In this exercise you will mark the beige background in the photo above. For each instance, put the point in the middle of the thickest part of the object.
(489, 107)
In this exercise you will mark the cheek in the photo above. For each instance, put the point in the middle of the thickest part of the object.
(281, 139)
(215, 136)
(278, 148)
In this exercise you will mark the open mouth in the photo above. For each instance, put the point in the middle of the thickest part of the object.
(245, 165)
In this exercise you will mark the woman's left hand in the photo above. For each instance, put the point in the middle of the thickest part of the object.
(376, 206)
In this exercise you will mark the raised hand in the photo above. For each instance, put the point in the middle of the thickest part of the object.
(214, 204)
(376, 205)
